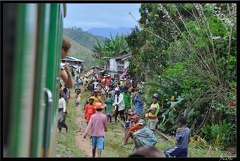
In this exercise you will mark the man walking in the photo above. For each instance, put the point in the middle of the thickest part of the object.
(98, 124)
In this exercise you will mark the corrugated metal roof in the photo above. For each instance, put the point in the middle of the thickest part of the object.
(69, 58)
(124, 56)
(119, 57)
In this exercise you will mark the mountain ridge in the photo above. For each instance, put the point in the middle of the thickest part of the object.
(106, 32)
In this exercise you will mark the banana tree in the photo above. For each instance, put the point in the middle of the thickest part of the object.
(172, 105)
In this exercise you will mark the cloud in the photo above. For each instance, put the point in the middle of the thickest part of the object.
(87, 16)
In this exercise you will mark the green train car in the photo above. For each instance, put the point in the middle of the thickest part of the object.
(32, 44)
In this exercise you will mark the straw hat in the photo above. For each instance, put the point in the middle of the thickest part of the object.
(90, 99)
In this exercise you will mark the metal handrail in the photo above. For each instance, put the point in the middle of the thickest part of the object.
(48, 95)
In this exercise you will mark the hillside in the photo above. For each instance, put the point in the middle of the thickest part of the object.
(80, 52)
(82, 37)
(82, 44)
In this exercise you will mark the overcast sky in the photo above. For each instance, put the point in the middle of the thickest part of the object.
(87, 16)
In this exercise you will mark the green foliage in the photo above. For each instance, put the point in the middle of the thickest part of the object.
(110, 47)
(66, 144)
(173, 104)
(84, 38)
(223, 135)
(195, 45)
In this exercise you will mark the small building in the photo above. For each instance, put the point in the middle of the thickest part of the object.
(77, 64)
(115, 66)
(92, 71)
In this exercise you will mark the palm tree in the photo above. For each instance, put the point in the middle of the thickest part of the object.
(112, 47)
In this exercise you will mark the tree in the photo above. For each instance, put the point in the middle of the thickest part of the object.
(110, 47)
(196, 45)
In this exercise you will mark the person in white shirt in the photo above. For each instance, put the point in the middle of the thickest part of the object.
(62, 111)
(119, 105)
(95, 83)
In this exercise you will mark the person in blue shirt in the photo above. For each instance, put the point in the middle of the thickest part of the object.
(139, 105)
(180, 150)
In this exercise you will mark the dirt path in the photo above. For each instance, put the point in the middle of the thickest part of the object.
(83, 144)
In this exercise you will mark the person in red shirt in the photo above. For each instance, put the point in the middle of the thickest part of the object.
(89, 109)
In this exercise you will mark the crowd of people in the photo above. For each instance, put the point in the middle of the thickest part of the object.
(123, 100)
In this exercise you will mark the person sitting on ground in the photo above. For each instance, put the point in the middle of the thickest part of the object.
(128, 122)
(89, 110)
(180, 150)
(147, 152)
(144, 136)
(131, 129)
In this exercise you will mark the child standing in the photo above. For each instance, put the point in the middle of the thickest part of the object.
(153, 112)
(180, 150)
(89, 109)
(77, 98)
(110, 109)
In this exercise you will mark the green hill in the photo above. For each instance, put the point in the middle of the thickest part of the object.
(82, 43)
(82, 37)
(80, 52)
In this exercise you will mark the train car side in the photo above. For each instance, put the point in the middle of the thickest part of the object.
(32, 39)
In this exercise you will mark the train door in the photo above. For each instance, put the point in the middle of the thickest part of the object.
(32, 40)
(52, 77)
(19, 61)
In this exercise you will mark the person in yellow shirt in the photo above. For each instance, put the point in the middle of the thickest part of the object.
(96, 97)
(152, 113)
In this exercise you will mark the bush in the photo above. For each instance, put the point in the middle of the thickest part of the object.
(222, 135)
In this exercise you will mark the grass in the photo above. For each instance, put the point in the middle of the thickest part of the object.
(66, 142)
(67, 147)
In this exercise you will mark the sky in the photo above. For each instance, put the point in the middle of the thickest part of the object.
(96, 15)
